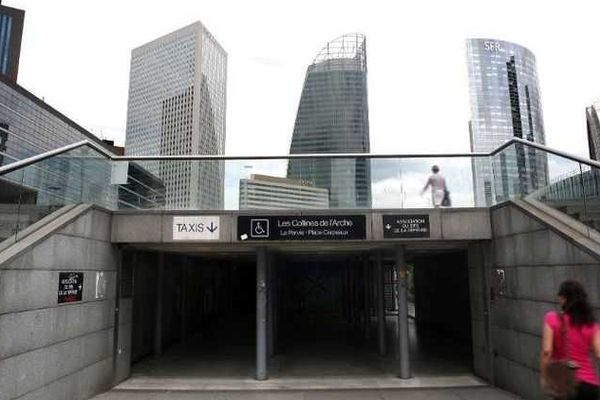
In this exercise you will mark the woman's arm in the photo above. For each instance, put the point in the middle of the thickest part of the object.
(547, 339)
(596, 343)
(426, 186)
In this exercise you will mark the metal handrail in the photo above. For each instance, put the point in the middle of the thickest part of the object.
(200, 157)
(550, 150)
(52, 153)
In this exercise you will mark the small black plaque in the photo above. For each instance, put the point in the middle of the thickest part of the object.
(70, 287)
(406, 226)
(302, 227)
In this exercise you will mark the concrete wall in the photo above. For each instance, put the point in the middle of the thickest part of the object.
(535, 259)
(145, 275)
(193, 295)
(60, 351)
(480, 262)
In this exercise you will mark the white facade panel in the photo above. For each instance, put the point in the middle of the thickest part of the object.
(281, 195)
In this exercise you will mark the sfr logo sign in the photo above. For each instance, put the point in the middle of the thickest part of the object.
(491, 46)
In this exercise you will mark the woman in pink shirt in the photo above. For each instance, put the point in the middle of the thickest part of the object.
(582, 338)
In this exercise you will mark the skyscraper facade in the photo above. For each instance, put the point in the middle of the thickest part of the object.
(505, 104)
(11, 31)
(593, 131)
(177, 97)
(30, 126)
(333, 117)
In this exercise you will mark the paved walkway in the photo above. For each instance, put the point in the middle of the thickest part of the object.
(480, 393)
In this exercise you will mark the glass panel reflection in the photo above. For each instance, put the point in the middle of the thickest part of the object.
(84, 175)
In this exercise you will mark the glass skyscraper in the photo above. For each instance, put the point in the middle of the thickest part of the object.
(333, 117)
(177, 107)
(11, 31)
(593, 131)
(505, 104)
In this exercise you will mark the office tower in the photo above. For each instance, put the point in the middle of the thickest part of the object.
(270, 192)
(505, 104)
(11, 31)
(30, 126)
(177, 107)
(593, 131)
(333, 117)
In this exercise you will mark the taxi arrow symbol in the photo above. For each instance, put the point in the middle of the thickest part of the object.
(212, 227)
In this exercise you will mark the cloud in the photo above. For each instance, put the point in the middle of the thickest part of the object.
(267, 61)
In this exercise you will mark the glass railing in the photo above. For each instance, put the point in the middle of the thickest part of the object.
(564, 183)
(32, 189)
(28, 194)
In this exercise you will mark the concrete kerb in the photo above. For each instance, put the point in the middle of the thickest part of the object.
(173, 385)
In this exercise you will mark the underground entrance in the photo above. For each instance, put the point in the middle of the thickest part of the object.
(320, 314)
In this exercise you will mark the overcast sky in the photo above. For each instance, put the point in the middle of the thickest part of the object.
(76, 56)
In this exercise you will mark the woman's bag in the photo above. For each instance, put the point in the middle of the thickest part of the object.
(561, 383)
(446, 202)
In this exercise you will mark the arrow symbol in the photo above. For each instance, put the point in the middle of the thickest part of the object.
(388, 227)
(212, 227)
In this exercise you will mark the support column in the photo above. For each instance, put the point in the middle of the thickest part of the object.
(184, 282)
(354, 304)
(366, 305)
(349, 293)
(402, 288)
(159, 306)
(276, 296)
(379, 283)
(261, 314)
(270, 305)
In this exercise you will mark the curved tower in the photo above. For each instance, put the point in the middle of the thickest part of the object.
(333, 117)
(505, 103)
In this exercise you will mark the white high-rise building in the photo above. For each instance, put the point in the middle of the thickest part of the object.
(275, 193)
(177, 97)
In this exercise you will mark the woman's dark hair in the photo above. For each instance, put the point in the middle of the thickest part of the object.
(576, 304)
(435, 169)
